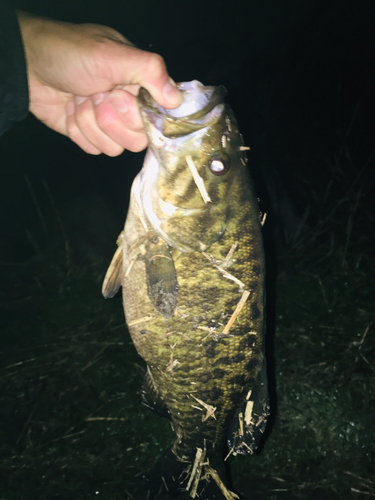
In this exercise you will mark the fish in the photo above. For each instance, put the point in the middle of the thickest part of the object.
(191, 265)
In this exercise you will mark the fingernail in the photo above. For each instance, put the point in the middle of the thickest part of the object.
(97, 98)
(118, 103)
(70, 108)
(172, 94)
(79, 99)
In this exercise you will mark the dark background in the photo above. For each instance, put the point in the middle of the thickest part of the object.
(300, 77)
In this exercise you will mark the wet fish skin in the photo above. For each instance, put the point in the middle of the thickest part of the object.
(180, 286)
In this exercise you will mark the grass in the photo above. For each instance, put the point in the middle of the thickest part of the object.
(72, 425)
(322, 442)
(70, 410)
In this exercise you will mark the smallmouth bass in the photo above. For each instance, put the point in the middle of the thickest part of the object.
(191, 265)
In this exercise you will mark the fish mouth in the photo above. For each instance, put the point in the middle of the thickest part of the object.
(173, 136)
(202, 105)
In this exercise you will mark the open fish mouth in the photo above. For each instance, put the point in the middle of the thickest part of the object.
(175, 191)
(202, 106)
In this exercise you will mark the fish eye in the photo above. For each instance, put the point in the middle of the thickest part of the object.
(219, 165)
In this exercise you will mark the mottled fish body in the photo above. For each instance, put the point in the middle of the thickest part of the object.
(191, 265)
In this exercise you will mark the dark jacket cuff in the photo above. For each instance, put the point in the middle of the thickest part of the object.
(14, 92)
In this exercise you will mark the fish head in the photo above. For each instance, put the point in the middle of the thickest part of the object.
(193, 163)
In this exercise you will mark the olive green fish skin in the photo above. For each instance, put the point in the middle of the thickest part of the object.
(207, 381)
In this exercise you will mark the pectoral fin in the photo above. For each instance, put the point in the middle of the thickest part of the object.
(113, 277)
(161, 278)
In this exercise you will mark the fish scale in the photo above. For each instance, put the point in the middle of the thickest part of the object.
(185, 268)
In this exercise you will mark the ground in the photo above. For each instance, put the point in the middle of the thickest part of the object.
(72, 422)
(300, 80)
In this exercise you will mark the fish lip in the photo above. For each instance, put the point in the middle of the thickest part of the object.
(148, 106)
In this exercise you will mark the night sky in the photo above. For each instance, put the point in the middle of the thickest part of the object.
(300, 76)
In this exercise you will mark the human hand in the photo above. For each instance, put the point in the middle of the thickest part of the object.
(84, 79)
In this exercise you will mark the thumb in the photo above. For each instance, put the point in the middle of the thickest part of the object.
(148, 70)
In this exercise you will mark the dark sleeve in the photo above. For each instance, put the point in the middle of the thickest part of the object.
(14, 93)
